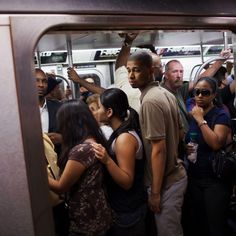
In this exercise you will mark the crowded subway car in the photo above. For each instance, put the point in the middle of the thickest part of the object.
(31, 30)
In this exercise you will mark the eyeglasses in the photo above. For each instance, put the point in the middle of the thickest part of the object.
(203, 92)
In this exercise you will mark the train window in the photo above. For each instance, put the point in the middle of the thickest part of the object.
(94, 77)
(214, 50)
(53, 57)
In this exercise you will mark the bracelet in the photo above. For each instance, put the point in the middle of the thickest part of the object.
(204, 122)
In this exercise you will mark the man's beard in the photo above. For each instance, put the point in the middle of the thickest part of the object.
(41, 97)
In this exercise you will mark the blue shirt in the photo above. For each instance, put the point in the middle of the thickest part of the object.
(203, 166)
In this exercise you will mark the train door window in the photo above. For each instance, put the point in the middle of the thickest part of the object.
(91, 78)
(214, 50)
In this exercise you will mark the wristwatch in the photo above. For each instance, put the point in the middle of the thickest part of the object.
(204, 122)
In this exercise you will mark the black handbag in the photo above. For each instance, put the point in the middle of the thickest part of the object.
(224, 162)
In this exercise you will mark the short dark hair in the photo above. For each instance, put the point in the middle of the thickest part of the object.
(38, 70)
(142, 56)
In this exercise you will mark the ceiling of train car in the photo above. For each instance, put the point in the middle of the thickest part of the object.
(111, 39)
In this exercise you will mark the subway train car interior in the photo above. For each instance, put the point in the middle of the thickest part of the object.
(85, 35)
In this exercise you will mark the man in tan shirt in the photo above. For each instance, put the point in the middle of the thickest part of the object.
(161, 127)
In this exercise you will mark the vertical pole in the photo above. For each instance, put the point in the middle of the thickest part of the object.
(70, 61)
(39, 60)
(234, 56)
(225, 37)
(201, 48)
(233, 121)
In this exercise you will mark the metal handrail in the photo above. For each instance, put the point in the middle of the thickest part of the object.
(191, 73)
(206, 63)
(66, 80)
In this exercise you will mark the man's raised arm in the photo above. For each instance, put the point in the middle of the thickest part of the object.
(213, 68)
(72, 75)
(125, 49)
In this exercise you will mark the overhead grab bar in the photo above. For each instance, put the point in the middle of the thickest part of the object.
(191, 73)
(205, 64)
(66, 80)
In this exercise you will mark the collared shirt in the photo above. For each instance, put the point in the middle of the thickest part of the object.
(44, 117)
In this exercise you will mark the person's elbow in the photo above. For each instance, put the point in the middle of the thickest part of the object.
(127, 184)
(58, 188)
(159, 152)
(217, 145)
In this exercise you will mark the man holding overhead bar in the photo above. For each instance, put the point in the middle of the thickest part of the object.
(121, 74)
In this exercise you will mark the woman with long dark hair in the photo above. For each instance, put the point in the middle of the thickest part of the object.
(124, 163)
(207, 196)
(81, 172)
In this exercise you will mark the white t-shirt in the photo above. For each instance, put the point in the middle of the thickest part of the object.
(106, 130)
(122, 82)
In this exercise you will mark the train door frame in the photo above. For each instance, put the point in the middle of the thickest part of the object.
(29, 130)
